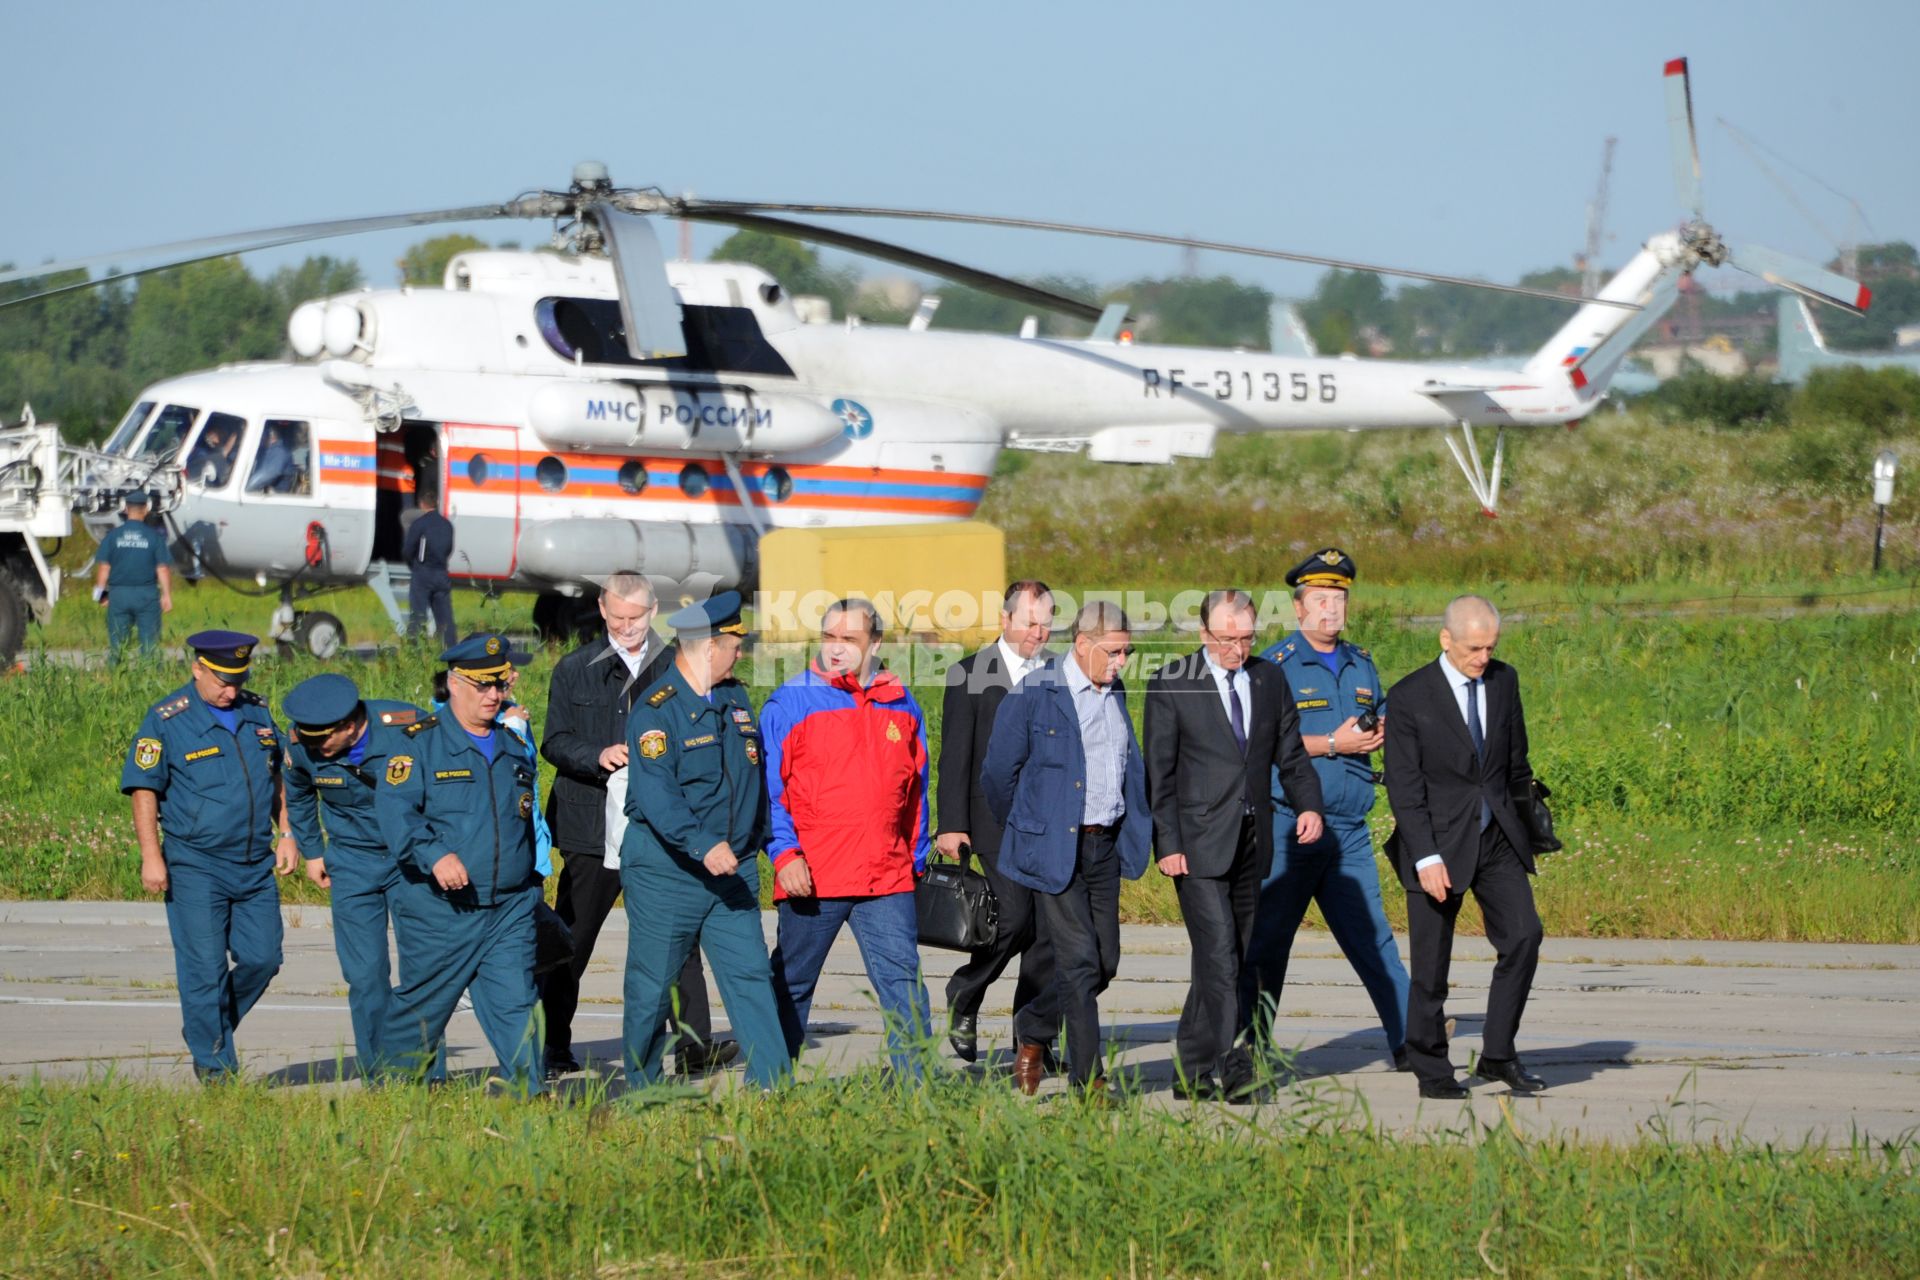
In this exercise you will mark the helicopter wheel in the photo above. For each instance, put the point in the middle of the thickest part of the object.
(564, 620)
(319, 635)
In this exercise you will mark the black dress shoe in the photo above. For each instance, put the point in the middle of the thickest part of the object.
(1509, 1072)
(698, 1059)
(1401, 1061)
(963, 1033)
(1198, 1089)
(1448, 1090)
(560, 1063)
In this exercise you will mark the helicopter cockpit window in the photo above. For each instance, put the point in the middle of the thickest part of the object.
(719, 339)
(129, 426)
(169, 430)
(284, 464)
(210, 461)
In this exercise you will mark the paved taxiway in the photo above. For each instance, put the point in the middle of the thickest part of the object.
(1776, 1042)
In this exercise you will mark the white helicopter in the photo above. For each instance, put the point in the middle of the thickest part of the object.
(601, 407)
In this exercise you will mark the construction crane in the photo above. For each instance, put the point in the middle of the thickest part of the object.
(1589, 260)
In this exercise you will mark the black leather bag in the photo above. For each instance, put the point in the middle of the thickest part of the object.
(955, 905)
(1531, 802)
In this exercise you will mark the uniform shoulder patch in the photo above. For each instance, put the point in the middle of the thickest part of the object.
(146, 752)
(419, 726)
(399, 717)
(661, 695)
(653, 744)
(171, 707)
(399, 769)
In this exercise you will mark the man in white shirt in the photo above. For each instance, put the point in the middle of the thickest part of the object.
(975, 687)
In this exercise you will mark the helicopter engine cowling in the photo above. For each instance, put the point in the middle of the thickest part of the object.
(619, 417)
(717, 556)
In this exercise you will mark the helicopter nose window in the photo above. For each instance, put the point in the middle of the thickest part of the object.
(477, 470)
(210, 461)
(284, 464)
(693, 480)
(633, 475)
(550, 474)
(778, 485)
(129, 426)
(170, 427)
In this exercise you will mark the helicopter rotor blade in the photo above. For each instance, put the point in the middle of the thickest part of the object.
(184, 251)
(1801, 277)
(723, 210)
(1684, 139)
(649, 309)
(985, 281)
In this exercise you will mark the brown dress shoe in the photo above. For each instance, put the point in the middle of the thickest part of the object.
(1029, 1068)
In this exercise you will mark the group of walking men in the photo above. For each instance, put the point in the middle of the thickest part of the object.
(1250, 786)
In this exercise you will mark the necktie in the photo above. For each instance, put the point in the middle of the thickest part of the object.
(1479, 745)
(1239, 717)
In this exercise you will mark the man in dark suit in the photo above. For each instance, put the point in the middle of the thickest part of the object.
(1071, 844)
(586, 740)
(976, 685)
(1218, 721)
(1456, 756)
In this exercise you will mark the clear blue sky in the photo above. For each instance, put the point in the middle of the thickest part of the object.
(1462, 138)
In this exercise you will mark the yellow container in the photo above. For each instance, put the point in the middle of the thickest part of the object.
(934, 581)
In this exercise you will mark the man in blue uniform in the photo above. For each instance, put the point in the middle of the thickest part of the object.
(428, 551)
(203, 774)
(697, 804)
(1338, 691)
(337, 751)
(133, 577)
(456, 806)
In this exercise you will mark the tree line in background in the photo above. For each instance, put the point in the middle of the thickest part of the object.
(80, 358)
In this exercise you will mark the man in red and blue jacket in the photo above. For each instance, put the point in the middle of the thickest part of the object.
(847, 773)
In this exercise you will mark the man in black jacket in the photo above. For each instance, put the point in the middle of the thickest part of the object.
(1456, 759)
(1218, 721)
(976, 686)
(586, 740)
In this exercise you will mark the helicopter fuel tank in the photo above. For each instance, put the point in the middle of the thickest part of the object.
(619, 417)
(720, 555)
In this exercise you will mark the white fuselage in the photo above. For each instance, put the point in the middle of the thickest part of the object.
(509, 393)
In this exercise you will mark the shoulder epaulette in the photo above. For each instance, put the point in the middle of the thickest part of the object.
(172, 707)
(1362, 652)
(661, 695)
(248, 698)
(421, 725)
(399, 717)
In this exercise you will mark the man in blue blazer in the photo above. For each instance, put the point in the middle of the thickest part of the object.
(1065, 777)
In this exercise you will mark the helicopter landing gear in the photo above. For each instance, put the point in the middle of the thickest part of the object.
(317, 634)
(562, 619)
(1466, 453)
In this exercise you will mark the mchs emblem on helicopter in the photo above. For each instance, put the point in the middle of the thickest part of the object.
(596, 407)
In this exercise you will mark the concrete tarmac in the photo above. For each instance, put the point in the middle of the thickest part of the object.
(1702, 1041)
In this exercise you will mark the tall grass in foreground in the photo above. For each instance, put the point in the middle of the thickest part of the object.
(1738, 777)
(855, 1178)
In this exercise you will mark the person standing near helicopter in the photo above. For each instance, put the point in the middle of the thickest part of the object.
(427, 551)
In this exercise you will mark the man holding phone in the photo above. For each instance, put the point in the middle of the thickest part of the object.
(1342, 722)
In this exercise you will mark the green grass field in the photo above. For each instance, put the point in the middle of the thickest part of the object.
(851, 1178)
(1718, 694)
